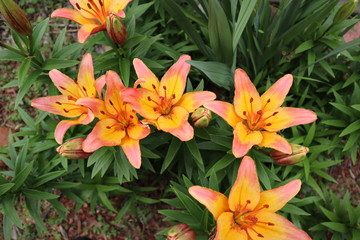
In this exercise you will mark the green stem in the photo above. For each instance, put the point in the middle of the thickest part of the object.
(4, 45)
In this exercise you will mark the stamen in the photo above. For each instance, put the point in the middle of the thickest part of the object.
(102, 112)
(154, 87)
(259, 235)
(268, 100)
(89, 6)
(111, 103)
(259, 112)
(101, 3)
(108, 127)
(59, 103)
(244, 112)
(131, 116)
(275, 113)
(84, 89)
(173, 96)
(77, 6)
(251, 100)
(65, 110)
(268, 124)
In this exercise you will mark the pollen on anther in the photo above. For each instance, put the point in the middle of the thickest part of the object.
(266, 206)
(251, 100)
(260, 235)
(275, 113)
(62, 87)
(248, 201)
(84, 89)
(164, 87)
(101, 3)
(102, 112)
(270, 224)
(149, 98)
(173, 96)
(268, 124)
(78, 6)
(111, 103)
(59, 103)
(65, 110)
(89, 6)
(244, 112)
(268, 100)
(131, 116)
(108, 127)
(154, 87)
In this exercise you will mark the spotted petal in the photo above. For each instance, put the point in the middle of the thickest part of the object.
(247, 99)
(73, 15)
(107, 132)
(282, 229)
(86, 80)
(119, 5)
(227, 229)
(150, 81)
(173, 83)
(287, 117)
(132, 151)
(138, 131)
(275, 95)
(192, 100)
(224, 110)
(64, 125)
(215, 202)
(276, 198)
(86, 30)
(245, 193)
(143, 101)
(114, 86)
(176, 123)
(244, 139)
(97, 106)
(64, 84)
(275, 141)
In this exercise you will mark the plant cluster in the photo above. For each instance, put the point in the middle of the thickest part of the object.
(107, 120)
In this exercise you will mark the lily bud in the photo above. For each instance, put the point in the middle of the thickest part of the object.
(15, 17)
(116, 29)
(201, 117)
(345, 11)
(181, 232)
(72, 149)
(298, 154)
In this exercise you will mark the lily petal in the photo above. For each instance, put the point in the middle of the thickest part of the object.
(118, 5)
(64, 84)
(64, 125)
(245, 193)
(138, 131)
(281, 230)
(107, 132)
(150, 81)
(247, 99)
(114, 86)
(215, 202)
(132, 151)
(172, 84)
(87, 29)
(60, 105)
(226, 230)
(73, 15)
(275, 95)
(224, 110)
(192, 100)
(97, 106)
(143, 101)
(287, 117)
(84, 9)
(275, 141)
(99, 85)
(176, 123)
(244, 139)
(86, 79)
(277, 198)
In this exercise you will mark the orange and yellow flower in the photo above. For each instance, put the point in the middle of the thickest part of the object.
(91, 14)
(118, 125)
(248, 213)
(65, 104)
(163, 103)
(256, 119)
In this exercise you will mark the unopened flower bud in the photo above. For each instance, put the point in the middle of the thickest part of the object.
(298, 154)
(181, 232)
(116, 29)
(15, 17)
(72, 149)
(345, 11)
(201, 117)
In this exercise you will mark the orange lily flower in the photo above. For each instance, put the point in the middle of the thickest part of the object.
(249, 213)
(256, 119)
(163, 103)
(118, 123)
(65, 104)
(91, 14)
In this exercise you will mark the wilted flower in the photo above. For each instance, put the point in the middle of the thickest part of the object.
(181, 232)
(163, 103)
(201, 117)
(298, 154)
(249, 213)
(16, 17)
(256, 119)
(72, 149)
(91, 14)
(116, 29)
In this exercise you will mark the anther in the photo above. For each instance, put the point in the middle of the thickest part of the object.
(275, 113)
(259, 112)
(154, 87)
(149, 98)
(270, 224)
(266, 206)
(244, 112)
(108, 127)
(111, 103)
(102, 112)
(65, 110)
(268, 100)
(131, 116)
(164, 87)
(84, 89)
(251, 100)
(259, 235)
(101, 3)
(62, 87)
(59, 103)
(248, 201)
(78, 6)
(89, 6)
(173, 96)
(268, 124)
(155, 109)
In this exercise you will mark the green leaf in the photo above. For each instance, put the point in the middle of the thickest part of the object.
(194, 150)
(8, 55)
(125, 70)
(343, 47)
(105, 200)
(310, 136)
(21, 177)
(304, 46)
(5, 187)
(56, 63)
(24, 89)
(59, 41)
(27, 119)
(338, 227)
(10, 211)
(218, 73)
(47, 177)
(351, 128)
(24, 68)
(38, 33)
(38, 195)
(172, 150)
(221, 164)
(290, 208)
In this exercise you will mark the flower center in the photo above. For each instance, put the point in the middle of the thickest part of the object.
(94, 8)
(246, 220)
(165, 103)
(254, 120)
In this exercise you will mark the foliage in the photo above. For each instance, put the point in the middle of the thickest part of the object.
(300, 37)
